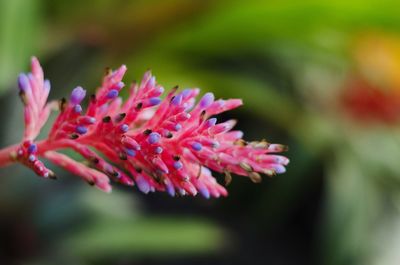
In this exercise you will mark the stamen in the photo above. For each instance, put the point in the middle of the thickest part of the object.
(228, 177)
(255, 177)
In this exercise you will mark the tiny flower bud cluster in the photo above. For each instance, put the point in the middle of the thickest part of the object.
(160, 144)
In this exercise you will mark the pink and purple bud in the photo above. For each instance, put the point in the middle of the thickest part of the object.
(23, 83)
(77, 95)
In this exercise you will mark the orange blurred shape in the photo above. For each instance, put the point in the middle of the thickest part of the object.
(373, 92)
(377, 58)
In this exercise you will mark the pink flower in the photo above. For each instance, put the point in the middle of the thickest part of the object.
(168, 144)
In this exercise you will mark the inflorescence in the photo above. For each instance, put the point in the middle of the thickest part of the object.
(165, 144)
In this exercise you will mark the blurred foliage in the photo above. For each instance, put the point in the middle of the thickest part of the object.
(19, 26)
(290, 61)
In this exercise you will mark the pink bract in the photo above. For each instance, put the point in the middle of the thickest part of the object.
(168, 144)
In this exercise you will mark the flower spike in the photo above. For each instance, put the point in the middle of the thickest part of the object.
(169, 144)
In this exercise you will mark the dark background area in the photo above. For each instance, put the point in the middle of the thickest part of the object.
(318, 76)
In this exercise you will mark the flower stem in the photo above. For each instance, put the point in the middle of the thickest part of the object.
(7, 153)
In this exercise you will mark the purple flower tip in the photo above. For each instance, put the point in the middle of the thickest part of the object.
(158, 150)
(32, 148)
(31, 158)
(130, 152)
(177, 127)
(170, 188)
(113, 93)
(152, 81)
(211, 122)
(23, 82)
(154, 101)
(279, 169)
(120, 85)
(77, 108)
(178, 165)
(205, 192)
(196, 146)
(143, 185)
(160, 90)
(154, 138)
(124, 128)
(81, 129)
(77, 95)
(206, 100)
(186, 92)
(46, 84)
(171, 191)
(177, 100)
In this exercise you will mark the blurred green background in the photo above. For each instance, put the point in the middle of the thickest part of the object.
(320, 76)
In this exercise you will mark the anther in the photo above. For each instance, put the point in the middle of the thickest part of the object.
(74, 136)
(228, 177)
(255, 177)
(107, 119)
(245, 166)
(139, 106)
(120, 117)
(62, 103)
(123, 156)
